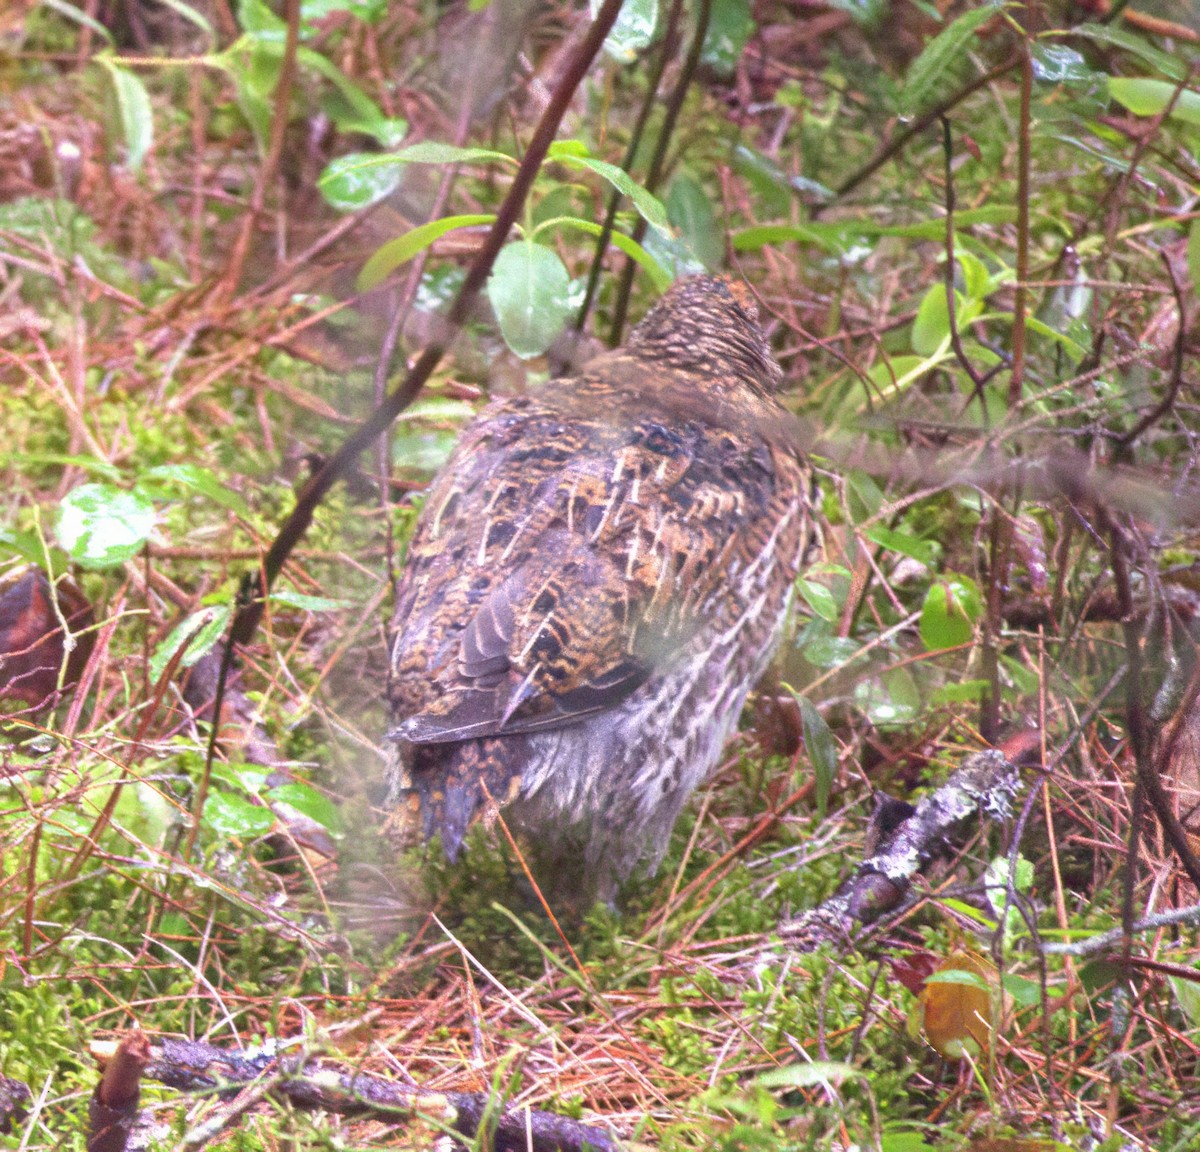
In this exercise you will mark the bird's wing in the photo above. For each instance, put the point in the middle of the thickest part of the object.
(557, 562)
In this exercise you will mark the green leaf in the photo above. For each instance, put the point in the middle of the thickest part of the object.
(530, 293)
(361, 178)
(1150, 97)
(831, 651)
(357, 180)
(815, 1074)
(306, 800)
(866, 14)
(196, 635)
(232, 816)
(822, 752)
(891, 698)
(863, 496)
(964, 692)
(730, 26)
(79, 17)
(420, 449)
(191, 14)
(978, 282)
(659, 276)
(435, 152)
(995, 889)
(248, 778)
(831, 239)
(936, 229)
(101, 526)
(388, 257)
(365, 114)
(959, 976)
(1073, 348)
(1058, 64)
(903, 1142)
(968, 911)
(253, 70)
(690, 210)
(559, 149)
(633, 30)
(1187, 995)
(1024, 992)
(837, 238)
(101, 468)
(202, 481)
(440, 286)
(649, 207)
(1173, 67)
(931, 328)
(133, 106)
(259, 22)
(1024, 879)
(923, 551)
(893, 375)
(819, 599)
(674, 254)
(561, 200)
(308, 603)
(769, 181)
(30, 546)
(387, 131)
(931, 72)
(352, 110)
(369, 11)
(948, 615)
(1025, 680)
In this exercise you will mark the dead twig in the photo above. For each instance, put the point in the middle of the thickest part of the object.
(296, 525)
(1103, 941)
(986, 783)
(193, 1066)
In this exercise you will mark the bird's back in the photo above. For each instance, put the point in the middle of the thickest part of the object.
(596, 578)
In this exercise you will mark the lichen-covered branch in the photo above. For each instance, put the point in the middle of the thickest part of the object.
(193, 1066)
(909, 839)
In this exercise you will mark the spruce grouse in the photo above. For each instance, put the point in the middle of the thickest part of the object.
(598, 576)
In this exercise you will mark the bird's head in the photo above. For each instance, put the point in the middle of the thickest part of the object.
(709, 324)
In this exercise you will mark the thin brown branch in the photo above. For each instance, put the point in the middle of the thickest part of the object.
(270, 166)
(1016, 381)
(1176, 382)
(669, 41)
(956, 343)
(296, 525)
(1149, 781)
(900, 141)
(658, 161)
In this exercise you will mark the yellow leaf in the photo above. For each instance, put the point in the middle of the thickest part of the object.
(958, 1009)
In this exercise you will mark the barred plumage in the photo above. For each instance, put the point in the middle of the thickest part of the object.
(597, 578)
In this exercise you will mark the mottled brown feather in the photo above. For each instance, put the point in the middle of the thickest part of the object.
(586, 549)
